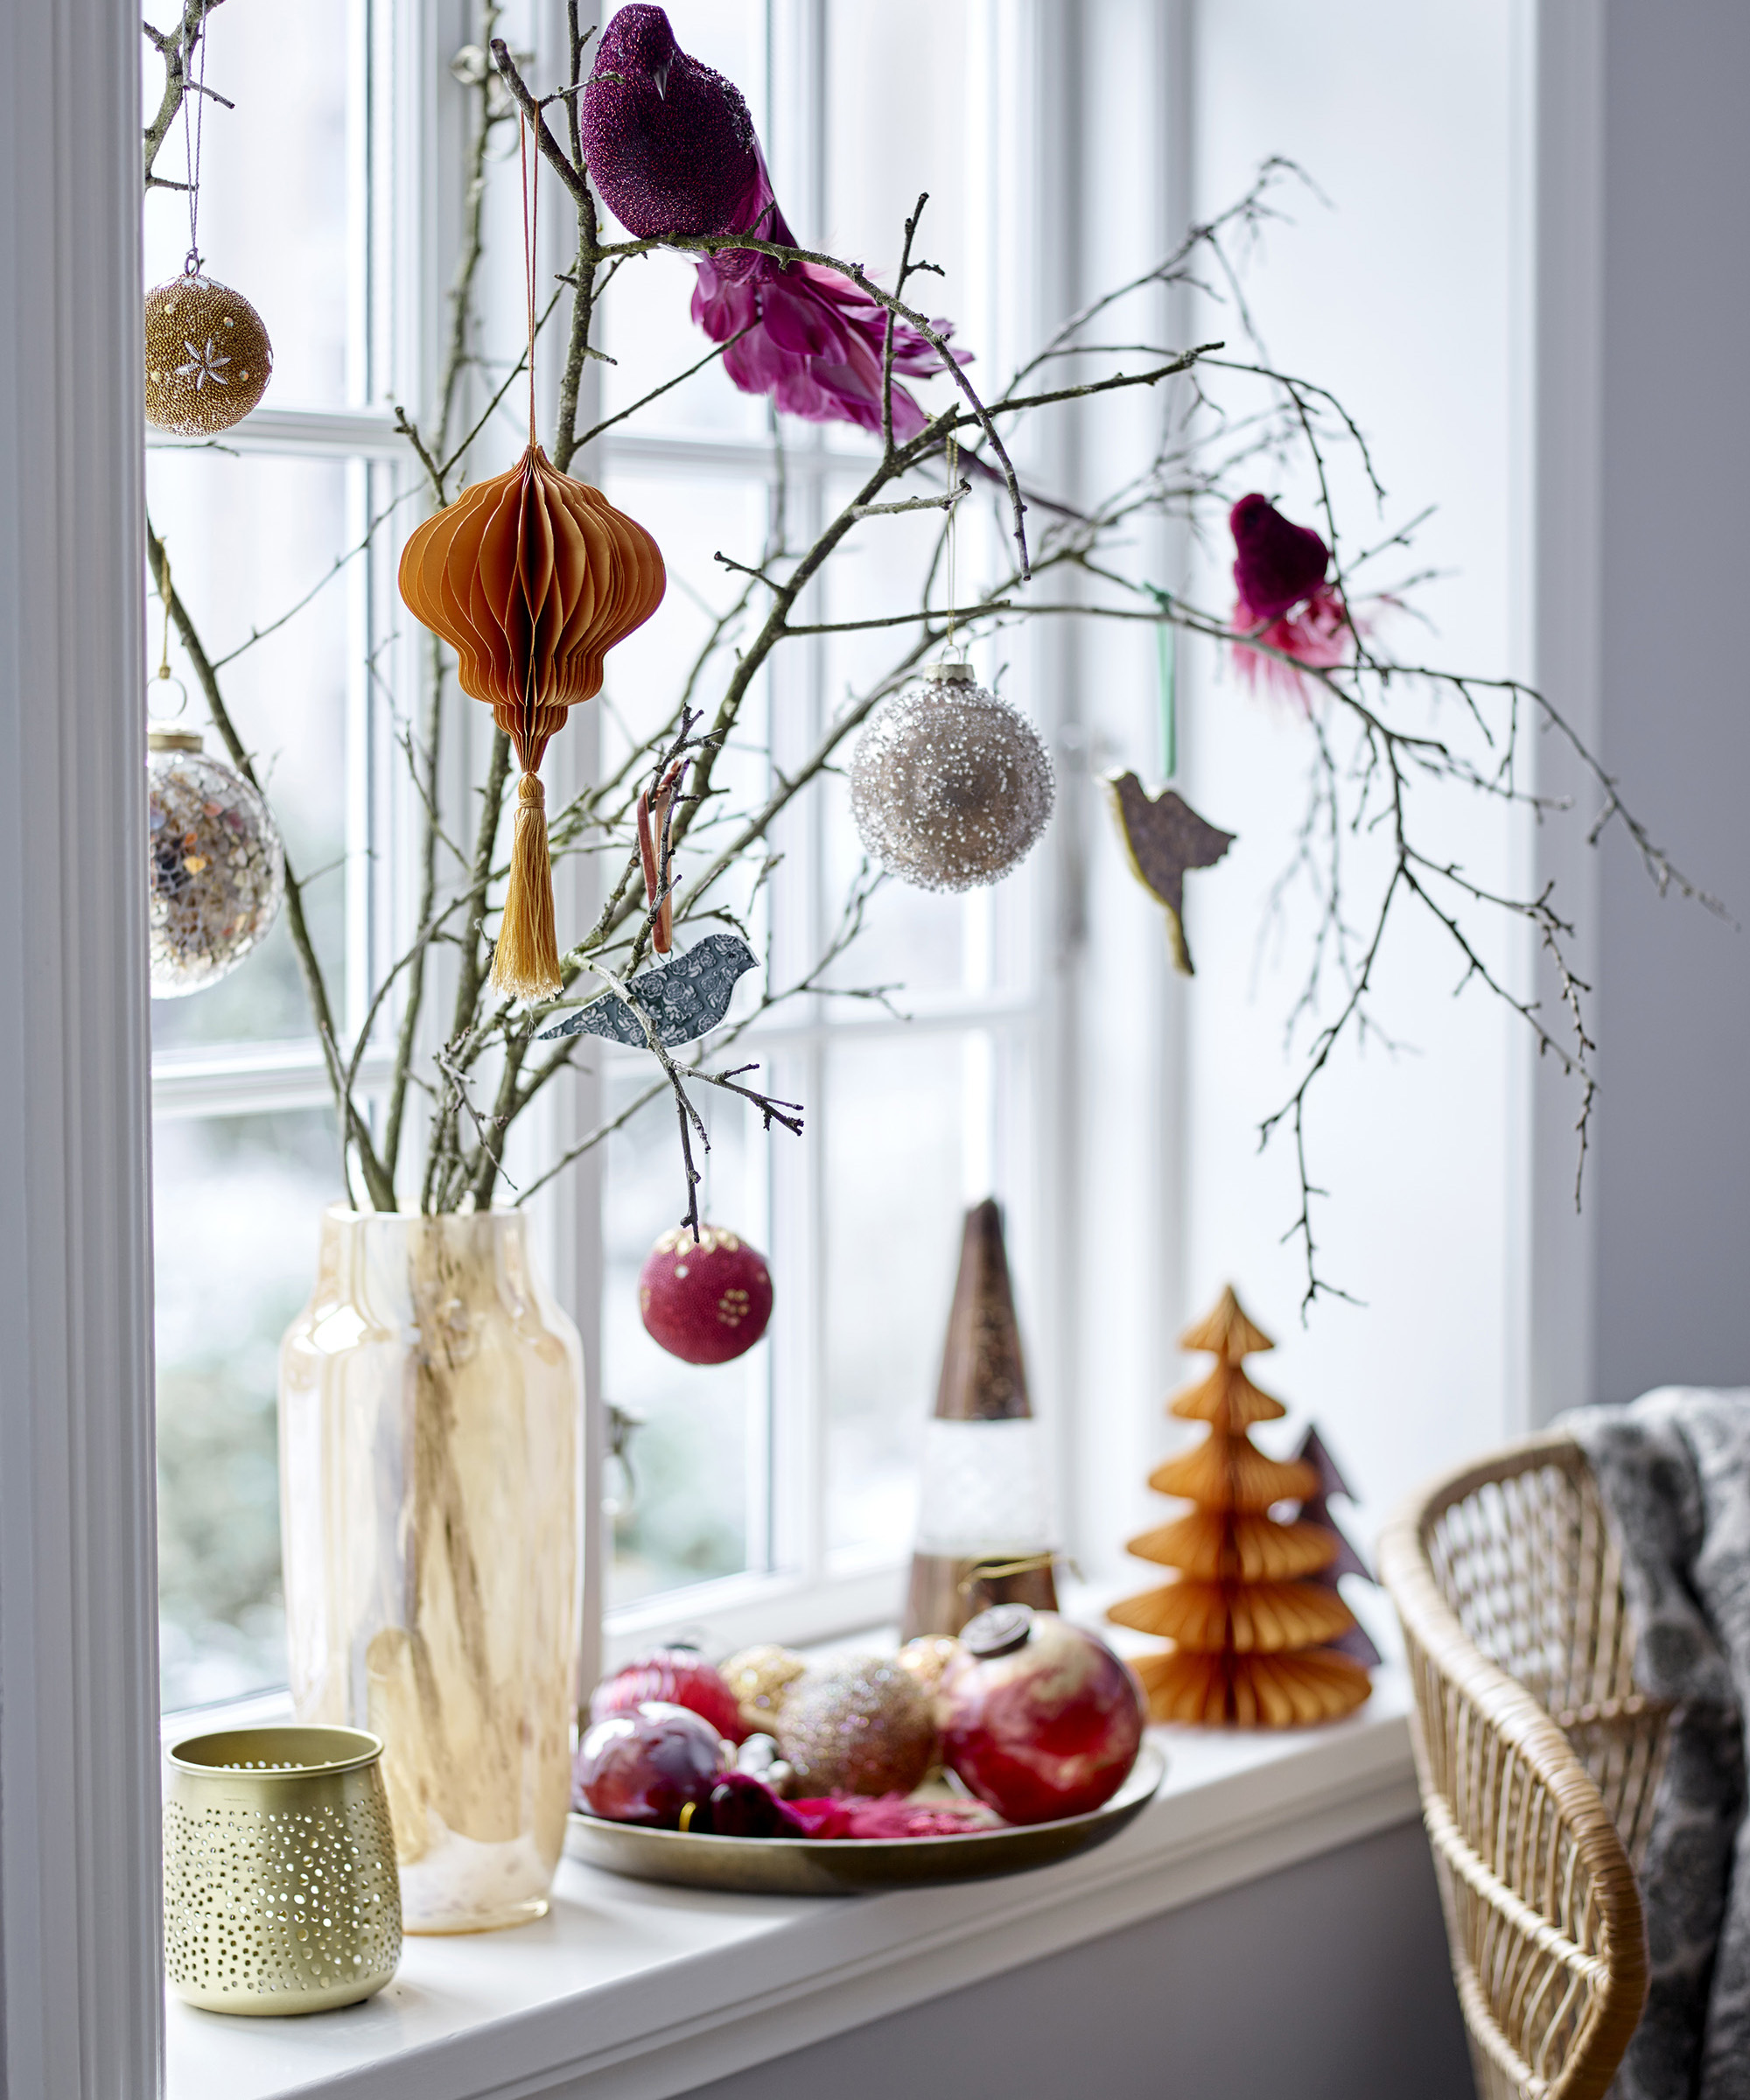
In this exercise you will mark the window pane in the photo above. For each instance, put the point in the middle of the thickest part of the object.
(246, 538)
(275, 213)
(900, 80)
(692, 515)
(237, 1204)
(893, 1121)
(691, 1507)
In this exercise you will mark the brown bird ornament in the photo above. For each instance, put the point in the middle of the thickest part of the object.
(1164, 837)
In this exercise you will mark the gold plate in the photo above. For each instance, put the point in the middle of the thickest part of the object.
(850, 1867)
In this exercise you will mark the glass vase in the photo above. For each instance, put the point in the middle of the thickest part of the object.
(430, 1428)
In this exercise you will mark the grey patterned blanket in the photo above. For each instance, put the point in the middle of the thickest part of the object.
(1673, 1468)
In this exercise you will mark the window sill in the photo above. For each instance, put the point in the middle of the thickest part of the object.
(647, 1992)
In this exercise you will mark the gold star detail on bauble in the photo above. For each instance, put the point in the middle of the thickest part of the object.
(1163, 835)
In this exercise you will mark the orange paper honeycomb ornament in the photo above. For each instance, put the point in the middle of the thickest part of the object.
(532, 578)
(1249, 1629)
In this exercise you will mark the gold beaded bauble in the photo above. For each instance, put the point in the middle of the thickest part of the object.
(927, 1658)
(208, 359)
(950, 785)
(217, 873)
(760, 1677)
(862, 1726)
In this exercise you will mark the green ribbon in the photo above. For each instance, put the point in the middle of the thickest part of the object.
(1166, 670)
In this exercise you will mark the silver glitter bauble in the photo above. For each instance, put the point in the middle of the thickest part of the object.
(862, 1726)
(217, 866)
(950, 785)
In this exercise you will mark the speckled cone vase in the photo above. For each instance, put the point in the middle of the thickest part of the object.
(430, 1427)
(984, 1521)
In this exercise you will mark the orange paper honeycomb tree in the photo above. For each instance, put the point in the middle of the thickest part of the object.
(1248, 1626)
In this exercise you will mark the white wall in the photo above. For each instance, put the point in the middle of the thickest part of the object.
(1400, 295)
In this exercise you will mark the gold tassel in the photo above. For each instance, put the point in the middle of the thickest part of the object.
(525, 961)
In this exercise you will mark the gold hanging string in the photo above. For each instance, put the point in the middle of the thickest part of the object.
(164, 599)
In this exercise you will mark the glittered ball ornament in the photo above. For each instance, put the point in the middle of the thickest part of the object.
(217, 873)
(950, 785)
(208, 359)
(863, 1727)
(705, 1301)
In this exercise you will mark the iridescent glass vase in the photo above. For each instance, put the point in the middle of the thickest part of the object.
(430, 1428)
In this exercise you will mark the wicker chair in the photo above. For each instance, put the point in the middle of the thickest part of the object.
(1538, 1761)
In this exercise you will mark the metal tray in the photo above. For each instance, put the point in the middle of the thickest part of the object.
(849, 1866)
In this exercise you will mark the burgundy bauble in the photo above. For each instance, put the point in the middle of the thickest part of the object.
(704, 1301)
(679, 1677)
(1039, 1717)
(646, 1767)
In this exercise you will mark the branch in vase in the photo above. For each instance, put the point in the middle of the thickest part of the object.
(175, 47)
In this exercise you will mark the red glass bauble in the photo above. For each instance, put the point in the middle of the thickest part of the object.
(677, 1677)
(1039, 1717)
(708, 1301)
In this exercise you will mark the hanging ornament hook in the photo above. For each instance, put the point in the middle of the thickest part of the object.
(166, 677)
(163, 674)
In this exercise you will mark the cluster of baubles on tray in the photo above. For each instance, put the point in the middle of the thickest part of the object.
(1022, 1719)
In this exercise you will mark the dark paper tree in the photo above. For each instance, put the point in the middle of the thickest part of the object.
(1250, 1627)
(1316, 1510)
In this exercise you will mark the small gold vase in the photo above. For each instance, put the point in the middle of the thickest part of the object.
(280, 1891)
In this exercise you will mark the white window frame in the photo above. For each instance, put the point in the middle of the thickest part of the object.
(80, 1990)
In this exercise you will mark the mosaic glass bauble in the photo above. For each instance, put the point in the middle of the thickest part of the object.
(217, 867)
(208, 359)
(950, 785)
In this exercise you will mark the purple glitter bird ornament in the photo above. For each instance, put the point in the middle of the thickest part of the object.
(672, 149)
(1282, 599)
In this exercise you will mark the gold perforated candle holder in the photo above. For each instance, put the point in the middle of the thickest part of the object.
(280, 1888)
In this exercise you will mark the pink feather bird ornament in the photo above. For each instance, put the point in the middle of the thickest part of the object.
(1282, 599)
(671, 147)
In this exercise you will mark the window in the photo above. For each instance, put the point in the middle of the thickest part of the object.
(774, 1495)
(297, 214)
(791, 1471)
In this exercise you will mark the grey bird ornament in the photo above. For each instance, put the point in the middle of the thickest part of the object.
(1164, 837)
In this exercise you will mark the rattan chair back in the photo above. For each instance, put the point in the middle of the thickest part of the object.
(1538, 1761)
